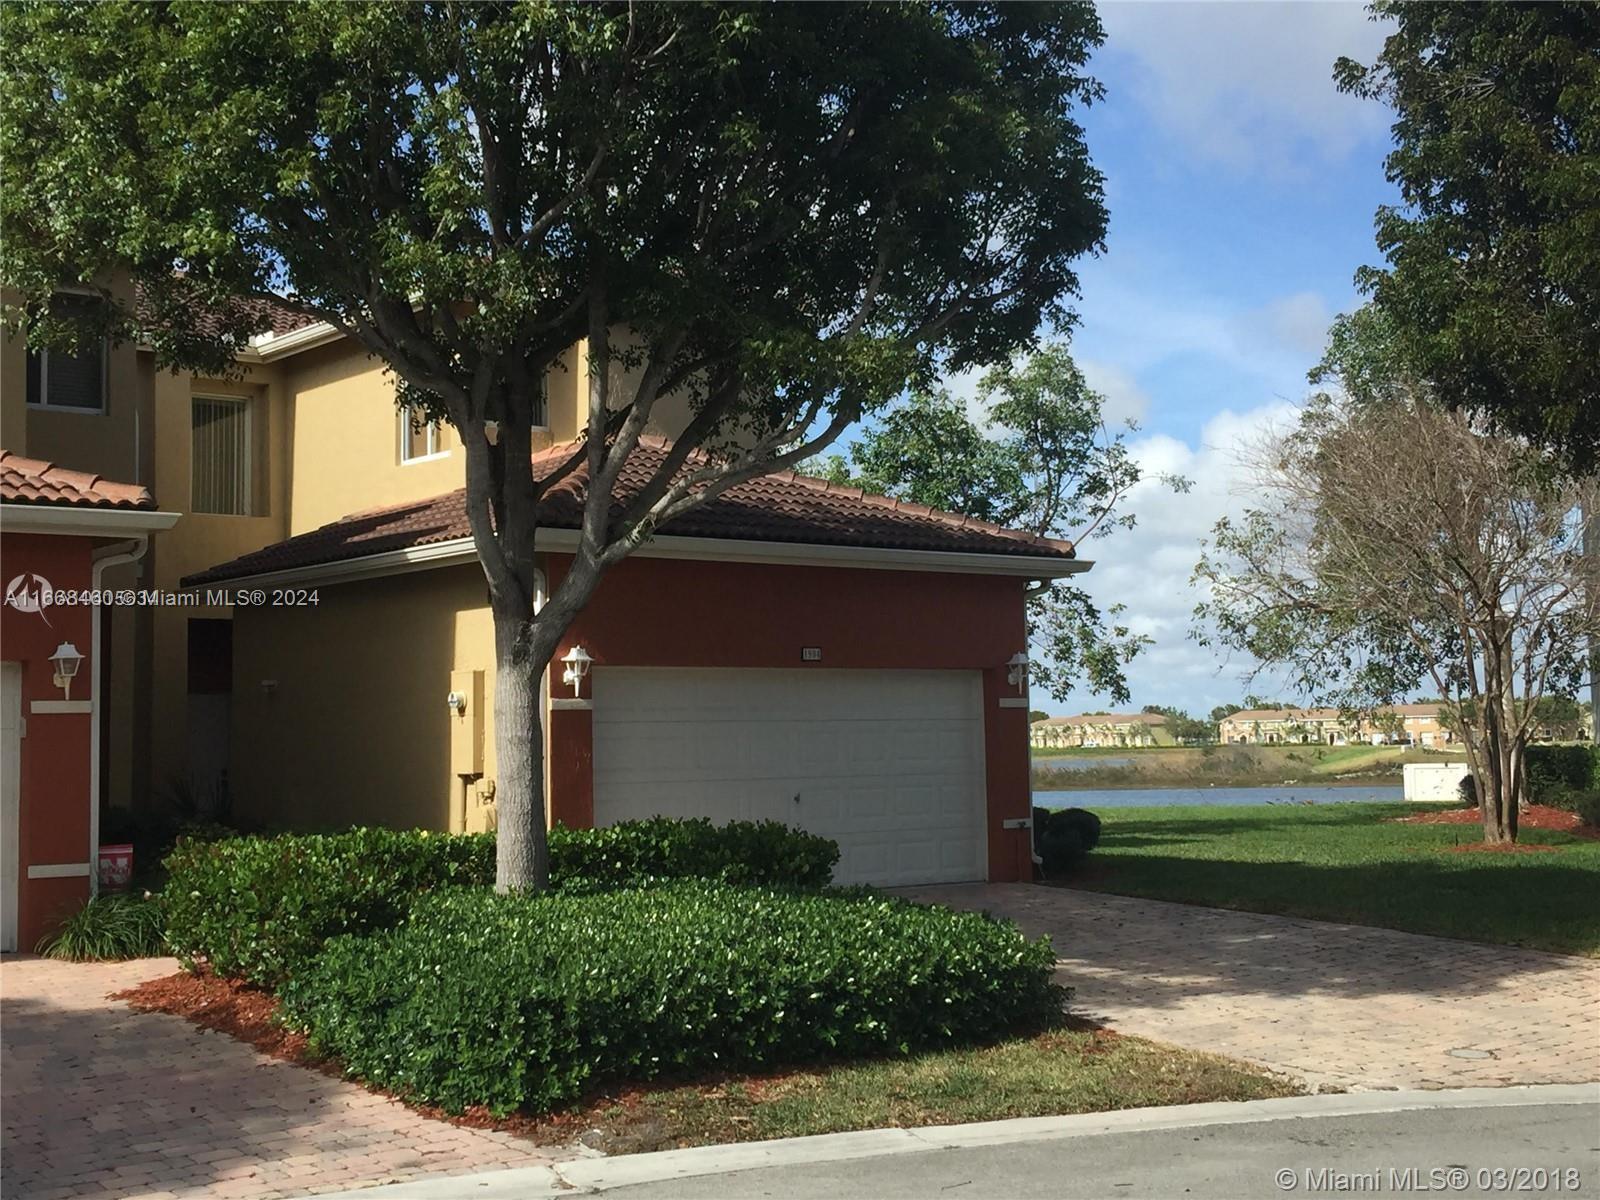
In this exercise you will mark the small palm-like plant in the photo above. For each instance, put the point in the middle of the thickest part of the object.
(109, 928)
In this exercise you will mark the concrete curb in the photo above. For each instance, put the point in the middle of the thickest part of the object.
(591, 1176)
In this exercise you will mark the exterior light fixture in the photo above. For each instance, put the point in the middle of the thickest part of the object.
(578, 661)
(1017, 674)
(66, 661)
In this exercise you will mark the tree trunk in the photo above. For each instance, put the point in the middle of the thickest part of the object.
(1497, 799)
(522, 847)
(1591, 553)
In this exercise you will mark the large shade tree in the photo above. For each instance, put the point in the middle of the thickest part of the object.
(1493, 272)
(794, 211)
(1044, 459)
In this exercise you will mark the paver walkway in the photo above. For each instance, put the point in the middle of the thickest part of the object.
(1340, 1005)
(100, 1101)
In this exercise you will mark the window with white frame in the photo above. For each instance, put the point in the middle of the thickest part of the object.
(69, 382)
(419, 438)
(220, 456)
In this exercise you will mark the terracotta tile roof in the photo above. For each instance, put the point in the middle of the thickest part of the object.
(34, 481)
(784, 507)
(272, 315)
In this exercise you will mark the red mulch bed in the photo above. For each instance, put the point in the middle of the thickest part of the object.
(1535, 816)
(250, 1014)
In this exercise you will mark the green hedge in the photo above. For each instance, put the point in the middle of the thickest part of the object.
(1063, 837)
(1557, 774)
(1587, 806)
(258, 908)
(521, 1002)
(762, 853)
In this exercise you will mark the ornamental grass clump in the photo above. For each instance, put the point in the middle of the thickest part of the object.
(108, 928)
(518, 1002)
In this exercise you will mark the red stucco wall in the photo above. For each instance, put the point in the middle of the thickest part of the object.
(653, 612)
(54, 817)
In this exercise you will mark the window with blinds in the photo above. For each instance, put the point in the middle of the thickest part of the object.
(76, 382)
(221, 456)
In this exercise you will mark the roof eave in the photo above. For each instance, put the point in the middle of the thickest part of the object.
(83, 520)
(461, 550)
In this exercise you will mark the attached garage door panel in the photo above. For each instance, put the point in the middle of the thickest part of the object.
(889, 764)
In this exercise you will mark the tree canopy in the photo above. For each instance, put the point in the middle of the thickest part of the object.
(790, 213)
(1493, 275)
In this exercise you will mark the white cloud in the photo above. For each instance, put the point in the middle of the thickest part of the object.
(1249, 85)
(1148, 568)
(1130, 326)
(964, 387)
(1299, 322)
(1125, 400)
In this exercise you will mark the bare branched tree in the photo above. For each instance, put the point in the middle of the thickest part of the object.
(1392, 543)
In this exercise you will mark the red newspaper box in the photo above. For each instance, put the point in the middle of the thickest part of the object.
(116, 867)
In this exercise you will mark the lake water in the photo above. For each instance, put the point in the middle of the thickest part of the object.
(1159, 797)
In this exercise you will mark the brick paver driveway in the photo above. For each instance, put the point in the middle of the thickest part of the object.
(1341, 1005)
(100, 1101)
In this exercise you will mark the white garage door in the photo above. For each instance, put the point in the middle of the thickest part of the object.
(889, 764)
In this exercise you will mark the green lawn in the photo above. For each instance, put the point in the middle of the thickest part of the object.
(1063, 1071)
(1345, 862)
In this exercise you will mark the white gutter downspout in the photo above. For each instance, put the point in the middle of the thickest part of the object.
(115, 555)
(1037, 588)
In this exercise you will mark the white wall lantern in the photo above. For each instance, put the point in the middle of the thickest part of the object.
(66, 661)
(1017, 672)
(578, 661)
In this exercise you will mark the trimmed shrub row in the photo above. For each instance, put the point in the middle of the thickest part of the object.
(259, 908)
(520, 1002)
(760, 853)
(1063, 837)
(1560, 775)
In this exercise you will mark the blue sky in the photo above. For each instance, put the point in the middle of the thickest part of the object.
(1242, 188)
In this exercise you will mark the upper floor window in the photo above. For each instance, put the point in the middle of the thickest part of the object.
(220, 456)
(69, 382)
(419, 439)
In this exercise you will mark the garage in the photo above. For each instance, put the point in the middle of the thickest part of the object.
(887, 763)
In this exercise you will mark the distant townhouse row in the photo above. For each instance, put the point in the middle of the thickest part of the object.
(1101, 729)
(1417, 724)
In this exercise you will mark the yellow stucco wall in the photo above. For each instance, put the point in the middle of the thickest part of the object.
(344, 440)
(339, 713)
(344, 434)
(13, 394)
(201, 540)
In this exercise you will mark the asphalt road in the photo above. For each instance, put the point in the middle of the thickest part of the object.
(1530, 1150)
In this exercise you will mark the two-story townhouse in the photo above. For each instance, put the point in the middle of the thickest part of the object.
(1291, 726)
(1419, 724)
(1101, 729)
(793, 650)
